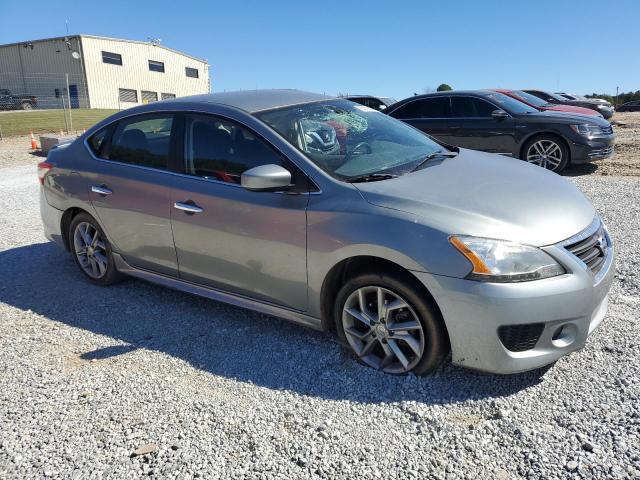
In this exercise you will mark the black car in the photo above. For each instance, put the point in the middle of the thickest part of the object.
(629, 107)
(493, 122)
(602, 107)
(377, 103)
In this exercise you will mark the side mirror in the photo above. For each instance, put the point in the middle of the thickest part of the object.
(266, 178)
(499, 114)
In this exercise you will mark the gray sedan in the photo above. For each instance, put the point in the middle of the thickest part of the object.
(335, 216)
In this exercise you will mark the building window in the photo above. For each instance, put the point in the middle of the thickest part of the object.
(156, 66)
(191, 72)
(167, 96)
(148, 97)
(126, 95)
(112, 58)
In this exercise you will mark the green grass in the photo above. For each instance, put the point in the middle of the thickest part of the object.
(45, 121)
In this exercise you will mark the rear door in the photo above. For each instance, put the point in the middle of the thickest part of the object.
(130, 185)
(233, 239)
(431, 115)
(472, 126)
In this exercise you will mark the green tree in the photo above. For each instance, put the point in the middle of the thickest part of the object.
(443, 87)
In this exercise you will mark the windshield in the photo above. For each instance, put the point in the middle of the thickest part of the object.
(532, 99)
(348, 140)
(511, 105)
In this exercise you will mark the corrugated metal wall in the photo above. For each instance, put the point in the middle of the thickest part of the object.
(106, 79)
(38, 68)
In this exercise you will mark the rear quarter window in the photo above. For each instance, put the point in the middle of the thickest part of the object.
(98, 141)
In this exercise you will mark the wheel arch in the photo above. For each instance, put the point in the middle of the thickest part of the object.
(65, 222)
(358, 264)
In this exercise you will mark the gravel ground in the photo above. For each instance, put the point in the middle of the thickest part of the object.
(136, 380)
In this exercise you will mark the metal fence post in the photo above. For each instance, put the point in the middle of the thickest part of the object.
(69, 103)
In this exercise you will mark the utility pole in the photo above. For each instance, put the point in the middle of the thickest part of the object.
(617, 89)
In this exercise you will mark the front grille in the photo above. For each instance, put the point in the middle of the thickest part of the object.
(518, 338)
(591, 247)
(601, 152)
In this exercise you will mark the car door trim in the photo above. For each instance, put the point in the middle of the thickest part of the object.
(295, 316)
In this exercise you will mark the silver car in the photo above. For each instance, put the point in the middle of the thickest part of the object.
(335, 216)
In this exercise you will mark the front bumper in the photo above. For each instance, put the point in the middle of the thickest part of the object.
(591, 149)
(474, 311)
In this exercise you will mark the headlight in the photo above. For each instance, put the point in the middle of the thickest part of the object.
(603, 107)
(504, 261)
(587, 130)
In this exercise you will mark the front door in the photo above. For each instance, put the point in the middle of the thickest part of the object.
(130, 188)
(473, 127)
(229, 238)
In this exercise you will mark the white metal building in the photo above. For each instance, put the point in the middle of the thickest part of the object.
(86, 71)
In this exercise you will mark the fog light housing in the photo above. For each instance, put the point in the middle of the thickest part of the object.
(564, 335)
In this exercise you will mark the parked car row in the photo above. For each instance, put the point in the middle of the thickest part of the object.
(510, 122)
(601, 106)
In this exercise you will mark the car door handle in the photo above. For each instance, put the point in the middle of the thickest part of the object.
(101, 190)
(188, 207)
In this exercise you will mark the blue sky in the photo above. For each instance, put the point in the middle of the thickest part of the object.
(392, 48)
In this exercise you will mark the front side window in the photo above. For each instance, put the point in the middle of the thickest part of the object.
(469, 107)
(156, 66)
(143, 141)
(221, 150)
(347, 140)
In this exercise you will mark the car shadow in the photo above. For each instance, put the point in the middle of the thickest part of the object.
(222, 339)
(579, 170)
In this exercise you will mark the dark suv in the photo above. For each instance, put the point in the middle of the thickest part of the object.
(493, 122)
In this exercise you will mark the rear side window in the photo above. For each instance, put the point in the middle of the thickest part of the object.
(221, 150)
(469, 107)
(426, 108)
(143, 141)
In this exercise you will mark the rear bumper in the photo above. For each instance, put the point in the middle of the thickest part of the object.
(589, 150)
(51, 220)
(474, 312)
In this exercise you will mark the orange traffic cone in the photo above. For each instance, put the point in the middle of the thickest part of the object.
(34, 144)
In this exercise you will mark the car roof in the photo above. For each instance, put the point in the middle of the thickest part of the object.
(255, 100)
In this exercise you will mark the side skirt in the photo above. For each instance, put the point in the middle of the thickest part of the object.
(218, 295)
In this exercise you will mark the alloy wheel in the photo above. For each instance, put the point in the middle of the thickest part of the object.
(383, 330)
(90, 250)
(545, 153)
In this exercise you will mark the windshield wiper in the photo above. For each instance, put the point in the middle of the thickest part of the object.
(433, 155)
(370, 177)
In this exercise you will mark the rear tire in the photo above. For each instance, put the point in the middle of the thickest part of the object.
(92, 251)
(405, 332)
(547, 151)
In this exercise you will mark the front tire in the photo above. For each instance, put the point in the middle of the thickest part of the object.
(547, 151)
(389, 325)
(92, 251)
(26, 106)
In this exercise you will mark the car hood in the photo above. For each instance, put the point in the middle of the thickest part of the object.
(487, 195)
(567, 118)
(572, 109)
